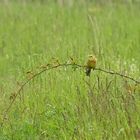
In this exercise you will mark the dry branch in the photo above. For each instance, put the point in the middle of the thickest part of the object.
(54, 67)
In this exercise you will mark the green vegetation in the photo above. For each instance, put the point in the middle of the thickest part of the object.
(63, 104)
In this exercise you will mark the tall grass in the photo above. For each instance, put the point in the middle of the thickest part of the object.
(62, 103)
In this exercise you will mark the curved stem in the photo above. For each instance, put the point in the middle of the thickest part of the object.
(61, 65)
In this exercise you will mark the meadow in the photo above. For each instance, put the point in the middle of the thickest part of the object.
(63, 103)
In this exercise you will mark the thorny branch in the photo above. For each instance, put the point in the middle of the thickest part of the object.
(56, 66)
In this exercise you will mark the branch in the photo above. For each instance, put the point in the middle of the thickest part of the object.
(54, 67)
(118, 74)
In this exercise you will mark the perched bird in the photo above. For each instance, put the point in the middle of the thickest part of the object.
(91, 64)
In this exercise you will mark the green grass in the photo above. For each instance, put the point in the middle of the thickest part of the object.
(59, 104)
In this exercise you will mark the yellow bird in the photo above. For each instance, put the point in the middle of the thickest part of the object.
(91, 64)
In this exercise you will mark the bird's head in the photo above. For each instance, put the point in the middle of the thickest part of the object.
(92, 58)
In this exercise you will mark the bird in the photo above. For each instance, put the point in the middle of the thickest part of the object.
(91, 64)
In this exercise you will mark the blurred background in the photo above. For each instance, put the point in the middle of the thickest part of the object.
(72, 2)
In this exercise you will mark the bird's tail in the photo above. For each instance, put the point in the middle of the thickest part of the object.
(88, 71)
